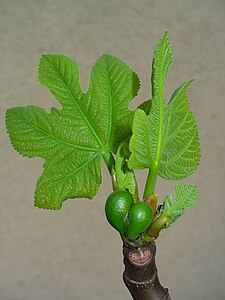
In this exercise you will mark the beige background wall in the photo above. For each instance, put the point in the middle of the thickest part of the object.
(73, 254)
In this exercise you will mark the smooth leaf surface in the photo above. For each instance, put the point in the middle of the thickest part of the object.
(186, 195)
(74, 139)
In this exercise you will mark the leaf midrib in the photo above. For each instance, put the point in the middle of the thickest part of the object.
(78, 106)
(179, 205)
(110, 106)
(73, 172)
(58, 139)
(161, 115)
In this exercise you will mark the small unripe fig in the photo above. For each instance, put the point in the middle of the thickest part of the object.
(117, 207)
(139, 219)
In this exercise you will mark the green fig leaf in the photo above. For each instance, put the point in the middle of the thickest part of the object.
(125, 177)
(73, 140)
(165, 140)
(186, 195)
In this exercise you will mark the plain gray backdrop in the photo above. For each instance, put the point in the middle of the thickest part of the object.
(73, 254)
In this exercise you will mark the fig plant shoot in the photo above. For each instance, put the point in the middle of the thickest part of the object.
(96, 126)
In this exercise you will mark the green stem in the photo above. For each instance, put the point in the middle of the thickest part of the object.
(150, 183)
(109, 161)
(135, 196)
(157, 225)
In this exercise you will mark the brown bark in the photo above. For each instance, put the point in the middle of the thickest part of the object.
(140, 275)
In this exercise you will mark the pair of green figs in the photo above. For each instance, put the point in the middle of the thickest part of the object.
(128, 218)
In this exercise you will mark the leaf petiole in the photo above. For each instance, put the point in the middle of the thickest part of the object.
(109, 161)
(150, 182)
(135, 195)
(157, 225)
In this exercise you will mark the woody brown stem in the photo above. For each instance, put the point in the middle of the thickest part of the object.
(140, 275)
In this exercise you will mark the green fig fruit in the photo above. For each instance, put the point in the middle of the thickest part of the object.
(117, 207)
(139, 219)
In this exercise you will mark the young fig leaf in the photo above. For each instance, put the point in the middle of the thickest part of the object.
(186, 195)
(125, 177)
(165, 140)
(74, 139)
(147, 139)
(181, 153)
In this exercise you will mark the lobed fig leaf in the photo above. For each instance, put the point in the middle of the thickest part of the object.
(73, 140)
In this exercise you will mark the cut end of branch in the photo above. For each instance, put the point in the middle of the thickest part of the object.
(140, 275)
